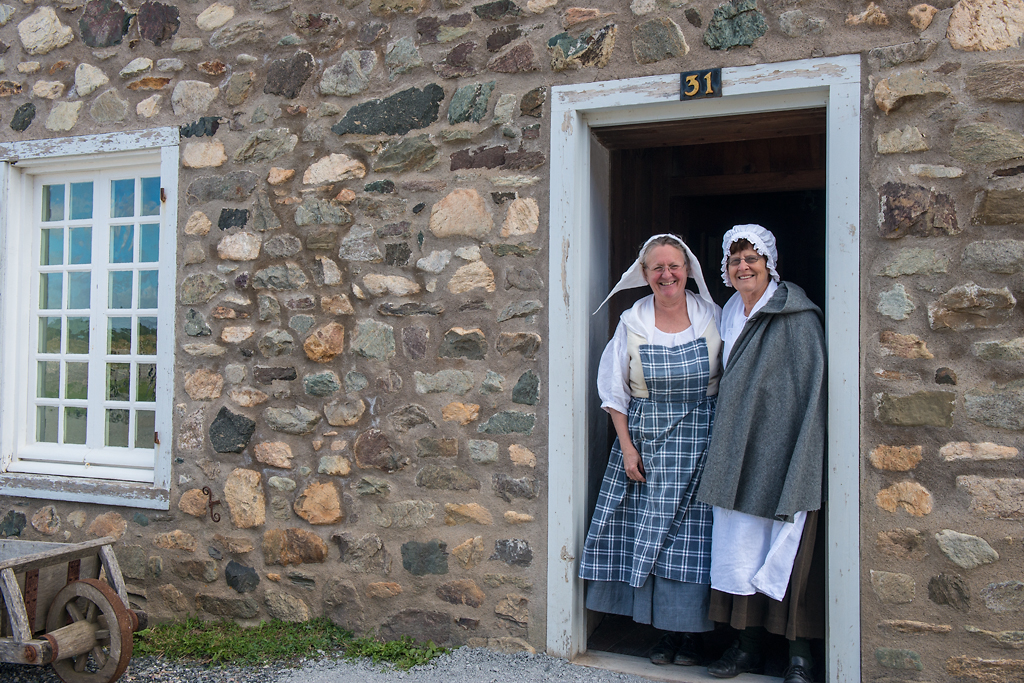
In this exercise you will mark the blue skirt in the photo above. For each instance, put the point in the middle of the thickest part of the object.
(666, 604)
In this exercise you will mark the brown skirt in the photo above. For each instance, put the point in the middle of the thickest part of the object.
(802, 616)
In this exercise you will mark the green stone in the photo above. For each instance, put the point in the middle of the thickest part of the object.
(446, 479)
(920, 409)
(321, 383)
(734, 24)
(420, 559)
(509, 422)
(527, 389)
(200, 288)
(374, 340)
(895, 658)
(522, 249)
(355, 381)
(469, 103)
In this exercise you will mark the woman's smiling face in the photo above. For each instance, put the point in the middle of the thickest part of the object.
(748, 272)
(666, 272)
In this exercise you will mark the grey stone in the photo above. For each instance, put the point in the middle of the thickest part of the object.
(315, 211)
(995, 256)
(420, 559)
(321, 383)
(507, 488)
(509, 422)
(230, 432)
(658, 39)
(915, 261)
(384, 208)
(355, 381)
(527, 389)
(230, 187)
(513, 551)
(526, 343)
(407, 417)
(23, 117)
(238, 87)
(446, 479)
(249, 32)
(970, 307)
(1001, 207)
(109, 108)
(462, 343)
(414, 153)
(195, 325)
(285, 607)
(342, 605)
(359, 245)
(469, 103)
(915, 210)
(269, 308)
(282, 246)
(351, 75)
(231, 608)
(1008, 349)
(408, 309)
(902, 53)
(519, 309)
(373, 449)
(285, 77)
(365, 555)
(132, 559)
(493, 383)
(922, 408)
(1001, 407)
(280, 277)
(1003, 597)
(985, 143)
(192, 97)
(895, 303)
(483, 452)
(297, 420)
(733, 24)
(406, 514)
(395, 115)
(263, 216)
(420, 625)
(13, 524)
(1010, 640)
(344, 413)
(375, 340)
(894, 658)
(301, 323)
(950, 589)
(445, 381)
(965, 550)
(892, 588)
(525, 279)
(429, 447)
(243, 579)
(265, 375)
(590, 48)
(370, 486)
(414, 341)
(402, 56)
(266, 145)
(797, 23)
(997, 81)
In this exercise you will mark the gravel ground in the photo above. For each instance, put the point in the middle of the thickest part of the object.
(464, 665)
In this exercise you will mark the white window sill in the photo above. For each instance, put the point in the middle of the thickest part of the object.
(75, 489)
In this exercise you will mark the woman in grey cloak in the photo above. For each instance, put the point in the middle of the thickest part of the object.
(764, 470)
(647, 554)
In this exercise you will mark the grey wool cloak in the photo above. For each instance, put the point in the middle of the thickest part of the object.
(768, 442)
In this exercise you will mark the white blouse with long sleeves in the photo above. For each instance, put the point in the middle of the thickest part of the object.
(751, 554)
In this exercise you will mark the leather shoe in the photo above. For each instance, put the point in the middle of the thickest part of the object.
(733, 663)
(799, 671)
(689, 650)
(665, 650)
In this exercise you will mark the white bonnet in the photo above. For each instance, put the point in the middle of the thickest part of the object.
(764, 244)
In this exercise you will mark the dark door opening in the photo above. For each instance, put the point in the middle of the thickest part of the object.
(697, 178)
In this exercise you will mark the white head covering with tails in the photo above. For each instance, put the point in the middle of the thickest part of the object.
(634, 276)
(764, 244)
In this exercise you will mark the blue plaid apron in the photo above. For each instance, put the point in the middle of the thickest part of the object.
(658, 527)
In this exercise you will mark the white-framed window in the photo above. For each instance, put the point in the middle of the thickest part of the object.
(88, 228)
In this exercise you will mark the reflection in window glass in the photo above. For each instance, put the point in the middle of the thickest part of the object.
(46, 424)
(150, 197)
(122, 238)
(145, 386)
(76, 382)
(51, 247)
(120, 289)
(49, 335)
(118, 378)
(149, 242)
(78, 289)
(147, 288)
(78, 335)
(147, 337)
(119, 336)
(81, 201)
(48, 379)
(74, 425)
(49, 289)
(53, 202)
(81, 246)
(122, 198)
(145, 428)
(117, 428)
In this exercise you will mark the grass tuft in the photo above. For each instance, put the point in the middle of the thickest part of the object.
(281, 642)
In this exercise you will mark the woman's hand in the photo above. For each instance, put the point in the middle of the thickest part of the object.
(634, 464)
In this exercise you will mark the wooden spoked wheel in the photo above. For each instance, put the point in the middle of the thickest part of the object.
(104, 655)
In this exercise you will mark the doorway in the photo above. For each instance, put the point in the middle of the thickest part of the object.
(581, 220)
(698, 178)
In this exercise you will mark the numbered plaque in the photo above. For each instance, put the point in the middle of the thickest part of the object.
(697, 85)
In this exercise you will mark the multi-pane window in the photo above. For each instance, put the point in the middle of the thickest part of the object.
(98, 284)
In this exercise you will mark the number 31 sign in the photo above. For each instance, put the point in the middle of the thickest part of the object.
(696, 85)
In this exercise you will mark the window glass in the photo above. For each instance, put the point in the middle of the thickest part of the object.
(145, 386)
(81, 201)
(49, 334)
(122, 198)
(148, 288)
(147, 337)
(48, 379)
(52, 247)
(149, 242)
(150, 196)
(145, 428)
(122, 242)
(120, 295)
(78, 335)
(117, 428)
(76, 381)
(119, 336)
(74, 425)
(53, 203)
(50, 290)
(118, 381)
(78, 289)
(81, 246)
(46, 424)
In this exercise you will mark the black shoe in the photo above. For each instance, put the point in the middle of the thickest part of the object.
(799, 671)
(733, 663)
(690, 650)
(665, 651)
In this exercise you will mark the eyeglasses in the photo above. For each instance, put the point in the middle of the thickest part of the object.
(661, 269)
(749, 260)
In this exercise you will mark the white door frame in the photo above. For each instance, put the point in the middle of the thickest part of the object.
(833, 83)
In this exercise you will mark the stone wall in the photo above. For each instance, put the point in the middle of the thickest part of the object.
(362, 272)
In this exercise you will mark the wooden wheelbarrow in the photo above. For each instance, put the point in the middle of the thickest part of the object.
(66, 604)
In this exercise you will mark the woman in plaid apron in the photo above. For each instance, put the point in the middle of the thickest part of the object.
(648, 551)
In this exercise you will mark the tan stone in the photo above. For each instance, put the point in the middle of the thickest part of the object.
(215, 16)
(274, 576)
(985, 670)
(320, 504)
(964, 450)
(872, 16)
(236, 545)
(174, 598)
(333, 168)
(204, 350)
(513, 517)
(325, 343)
(383, 590)
(380, 285)
(203, 385)
(176, 540)
(514, 607)
(470, 552)
(892, 92)
(896, 375)
(521, 455)
(1009, 640)
(329, 271)
(336, 305)
(243, 495)
(194, 502)
(893, 588)
(293, 546)
(907, 626)
(346, 196)
(108, 524)
(998, 498)
(522, 218)
(508, 645)
(335, 465)
(278, 176)
(540, 6)
(895, 458)
(149, 107)
(46, 520)
(47, 90)
(471, 276)
(461, 592)
(462, 212)
(28, 67)
(906, 544)
(241, 246)
(463, 413)
(904, 345)
(909, 495)
(921, 16)
(247, 397)
(203, 154)
(466, 513)
(198, 224)
(235, 334)
(77, 518)
(274, 453)
(983, 25)
(902, 141)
